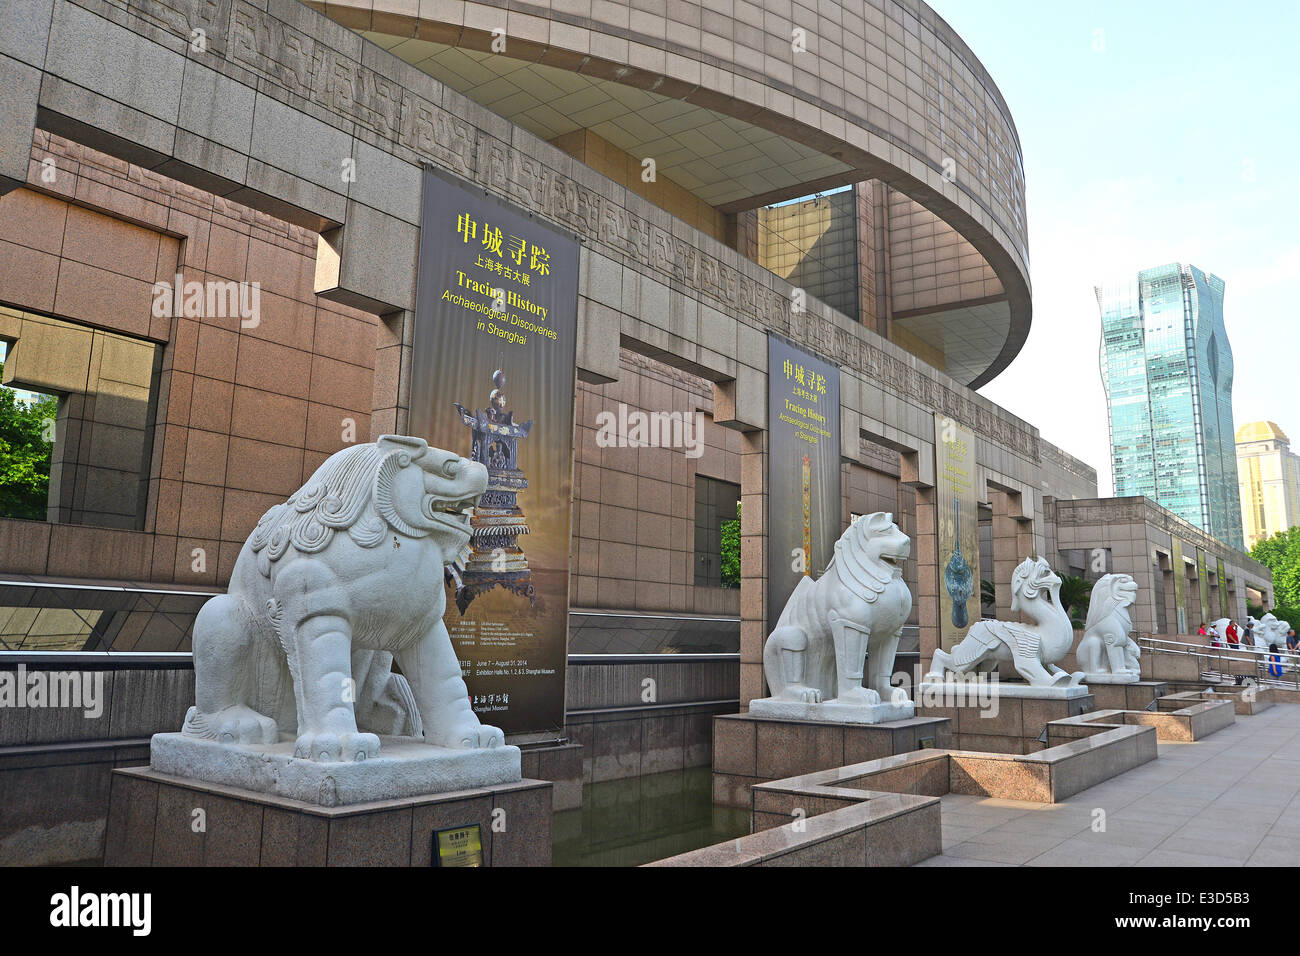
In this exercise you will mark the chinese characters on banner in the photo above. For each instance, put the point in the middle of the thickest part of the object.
(958, 523)
(803, 468)
(493, 379)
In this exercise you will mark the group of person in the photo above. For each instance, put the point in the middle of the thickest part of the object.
(1233, 634)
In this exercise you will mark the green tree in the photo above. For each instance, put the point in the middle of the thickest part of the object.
(26, 433)
(731, 550)
(1075, 592)
(1281, 555)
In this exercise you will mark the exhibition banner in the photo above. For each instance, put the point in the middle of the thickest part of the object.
(1203, 579)
(493, 379)
(1180, 583)
(957, 520)
(803, 468)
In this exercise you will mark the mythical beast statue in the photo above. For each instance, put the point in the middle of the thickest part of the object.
(1107, 655)
(855, 611)
(1033, 648)
(331, 587)
(1270, 630)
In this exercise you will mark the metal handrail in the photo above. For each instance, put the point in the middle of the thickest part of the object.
(1259, 658)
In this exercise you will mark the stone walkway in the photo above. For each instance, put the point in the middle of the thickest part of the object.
(1232, 799)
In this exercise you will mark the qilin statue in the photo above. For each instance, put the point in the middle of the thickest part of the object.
(1032, 648)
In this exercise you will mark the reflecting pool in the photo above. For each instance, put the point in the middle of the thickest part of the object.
(640, 819)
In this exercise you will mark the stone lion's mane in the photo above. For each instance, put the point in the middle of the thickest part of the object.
(1114, 596)
(853, 563)
(1023, 575)
(339, 497)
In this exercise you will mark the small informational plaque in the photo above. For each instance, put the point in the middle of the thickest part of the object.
(458, 846)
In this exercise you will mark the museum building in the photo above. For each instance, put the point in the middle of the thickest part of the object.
(209, 233)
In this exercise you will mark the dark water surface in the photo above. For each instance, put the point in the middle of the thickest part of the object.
(640, 819)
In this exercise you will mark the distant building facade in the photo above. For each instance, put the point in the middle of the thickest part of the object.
(1166, 366)
(1269, 475)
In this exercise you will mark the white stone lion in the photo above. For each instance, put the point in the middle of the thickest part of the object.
(1106, 647)
(1270, 630)
(334, 584)
(853, 614)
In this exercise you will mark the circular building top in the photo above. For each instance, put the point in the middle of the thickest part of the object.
(750, 103)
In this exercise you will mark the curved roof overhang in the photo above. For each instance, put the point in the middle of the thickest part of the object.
(894, 95)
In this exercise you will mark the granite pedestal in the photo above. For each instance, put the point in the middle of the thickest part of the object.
(749, 749)
(1008, 720)
(154, 820)
(405, 767)
(1132, 696)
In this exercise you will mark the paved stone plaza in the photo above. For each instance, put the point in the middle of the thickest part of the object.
(1232, 799)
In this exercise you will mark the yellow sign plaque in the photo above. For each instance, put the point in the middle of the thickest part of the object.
(458, 846)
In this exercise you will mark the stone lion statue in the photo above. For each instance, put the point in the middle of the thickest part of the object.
(854, 612)
(1106, 647)
(1033, 648)
(1270, 630)
(332, 586)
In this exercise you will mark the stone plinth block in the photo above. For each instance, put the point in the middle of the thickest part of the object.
(832, 711)
(1105, 677)
(988, 719)
(1134, 696)
(750, 748)
(940, 690)
(151, 823)
(405, 767)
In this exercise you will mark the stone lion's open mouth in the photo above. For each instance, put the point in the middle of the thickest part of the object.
(461, 507)
(455, 514)
(894, 560)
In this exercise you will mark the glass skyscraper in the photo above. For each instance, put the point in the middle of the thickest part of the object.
(1167, 369)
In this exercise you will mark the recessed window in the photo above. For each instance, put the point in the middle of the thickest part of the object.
(717, 533)
(77, 410)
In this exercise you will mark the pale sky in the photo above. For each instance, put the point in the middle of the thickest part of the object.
(1153, 132)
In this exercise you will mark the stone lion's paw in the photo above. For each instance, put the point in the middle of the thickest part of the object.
(801, 694)
(331, 748)
(475, 736)
(234, 725)
(860, 696)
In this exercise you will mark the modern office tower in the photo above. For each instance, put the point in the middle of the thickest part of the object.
(1269, 474)
(1167, 369)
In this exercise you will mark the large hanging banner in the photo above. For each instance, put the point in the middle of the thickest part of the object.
(803, 468)
(957, 520)
(492, 379)
(1180, 583)
(1225, 610)
(1203, 578)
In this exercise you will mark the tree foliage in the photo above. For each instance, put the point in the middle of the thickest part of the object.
(1288, 613)
(26, 440)
(1075, 592)
(1281, 555)
(731, 551)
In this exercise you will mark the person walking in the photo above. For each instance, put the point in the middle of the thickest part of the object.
(1292, 642)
